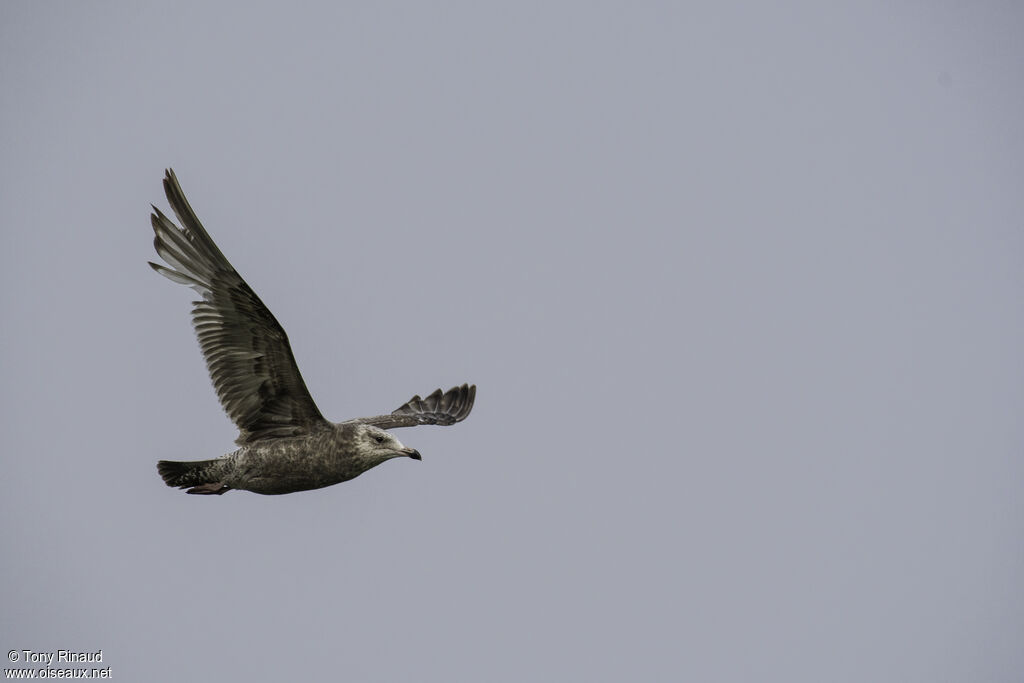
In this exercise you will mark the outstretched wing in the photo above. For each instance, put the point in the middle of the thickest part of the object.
(437, 409)
(246, 349)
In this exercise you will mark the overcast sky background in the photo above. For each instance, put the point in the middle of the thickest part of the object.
(740, 285)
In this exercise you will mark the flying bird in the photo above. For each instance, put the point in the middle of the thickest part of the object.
(284, 443)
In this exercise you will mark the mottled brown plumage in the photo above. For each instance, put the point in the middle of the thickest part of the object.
(285, 444)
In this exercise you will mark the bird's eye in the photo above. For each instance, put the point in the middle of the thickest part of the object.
(379, 438)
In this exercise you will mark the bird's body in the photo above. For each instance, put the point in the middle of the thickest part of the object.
(329, 455)
(285, 445)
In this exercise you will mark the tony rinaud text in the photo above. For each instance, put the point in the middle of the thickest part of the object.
(61, 656)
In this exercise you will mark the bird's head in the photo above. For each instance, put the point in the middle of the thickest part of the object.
(376, 445)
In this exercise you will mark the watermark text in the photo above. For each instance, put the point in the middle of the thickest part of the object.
(56, 664)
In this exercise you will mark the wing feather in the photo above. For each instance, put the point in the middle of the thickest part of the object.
(246, 350)
(439, 408)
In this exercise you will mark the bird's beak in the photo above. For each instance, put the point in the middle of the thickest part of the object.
(412, 453)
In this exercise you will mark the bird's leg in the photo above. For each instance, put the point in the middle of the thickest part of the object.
(215, 488)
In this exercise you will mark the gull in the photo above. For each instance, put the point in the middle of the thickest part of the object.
(284, 443)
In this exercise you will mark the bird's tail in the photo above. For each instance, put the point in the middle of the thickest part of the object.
(198, 476)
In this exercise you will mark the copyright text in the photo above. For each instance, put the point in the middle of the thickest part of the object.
(49, 664)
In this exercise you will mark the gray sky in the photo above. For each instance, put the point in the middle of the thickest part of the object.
(740, 285)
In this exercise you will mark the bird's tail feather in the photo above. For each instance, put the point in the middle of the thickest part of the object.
(198, 476)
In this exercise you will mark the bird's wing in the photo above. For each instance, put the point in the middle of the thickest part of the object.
(246, 349)
(437, 409)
